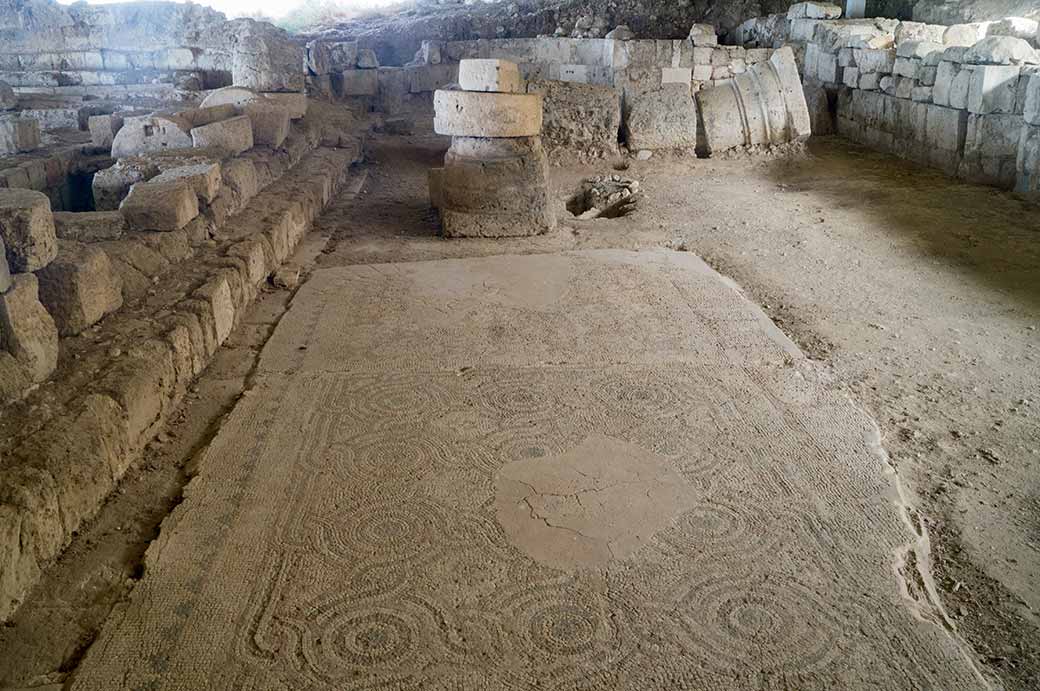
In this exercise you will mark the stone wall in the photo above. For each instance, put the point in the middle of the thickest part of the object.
(962, 98)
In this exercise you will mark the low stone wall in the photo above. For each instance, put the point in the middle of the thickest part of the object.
(66, 445)
(963, 98)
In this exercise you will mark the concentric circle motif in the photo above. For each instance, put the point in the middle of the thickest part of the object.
(644, 395)
(389, 456)
(368, 639)
(758, 625)
(563, 628)
(381, 533)
(389, 397)
(523, 443)
(526, 397)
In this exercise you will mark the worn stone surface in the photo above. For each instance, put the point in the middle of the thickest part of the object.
(662, 119)
(296, 103)
(230, 95)
(18, 134)
(270, 123)
(79, 287)
(203, 178)
(470, 114)
(5, 270)
(582, 119)
(160, 206)
(151, 133)
(111, 185)
(655, 543)
(27, 331)
(27, 229)
(490, 75)
(266, 59)
(1001, 50)
(103, 129)
(8, 99)
(89, 226)
(234, 135)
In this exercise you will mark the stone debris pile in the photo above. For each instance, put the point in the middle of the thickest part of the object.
(495, 179)
(605, 196)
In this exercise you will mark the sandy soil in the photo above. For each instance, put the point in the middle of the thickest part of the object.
(921, 293)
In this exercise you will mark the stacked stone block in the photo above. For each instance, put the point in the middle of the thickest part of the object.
(495, 177)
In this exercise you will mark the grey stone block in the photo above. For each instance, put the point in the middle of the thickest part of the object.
(27, 229)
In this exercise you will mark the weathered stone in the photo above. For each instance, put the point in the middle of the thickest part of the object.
(270, 123)
(5, 270)
(18, 134)
(990, 149)
(233, 135)
(103, 129)
(151, 133)
(620, 33)
(1027, 166)
(945, 73)
(703, 35)
(343, 55)
(111, 185)
(318, 57)
(198, 117)
(580, 119)
(1031, 106)
(355, 83)
(469, 114)
(89, 226)
(881, 61)
(499, 76)
(366, 59)
(8, 99)
(295, 103)
(27, 331)
(237, 96)
(268, 60)
(240, 180)
(27, 229)
(814, 10)
(160, 206)
(1016, 27)
(961, 86)
(993, 89)
(79, 287)
(203, 178)
(661, 119)
(918, 31)
(1001, 50)
(963, 34)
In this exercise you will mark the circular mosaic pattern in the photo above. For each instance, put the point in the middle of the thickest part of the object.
(377, 533)
(563, 629)
(387, 397)
(368, 639)
(389, 456)
(643, 395)
(524, 397)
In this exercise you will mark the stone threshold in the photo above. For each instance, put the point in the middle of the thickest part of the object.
(68, 444)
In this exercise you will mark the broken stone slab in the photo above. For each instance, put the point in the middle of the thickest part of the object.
(764, 106)
(79, 287)
(703, 35)
(27, 331)
(499, 76)
(18, 134)
(295, 103)
(160, 206)
(147, 133)
(471, 114)
(270, 123)
(662, 119)
(203, 178)
(89, 226)
(27, 229)
(993, 89)
(814, 10)
(1001, 50)
(103, 129)
(111, 185)
(236, 96)
(233, 135)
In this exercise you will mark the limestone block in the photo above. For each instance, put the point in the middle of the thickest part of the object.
(343, 55)
(802, 29)
(268, 62)
(160, 206)
(1016, 27)
(203, 178)
(963, 34)
(499, 76)
(576, 74)
(151, 133)
(869, 82)
(702, 73)
(295, 103)
(956, 54)
(906, 67)
(319, 57)
(850, 76)
(676, 75)
(620, 33)
(927, 75)
(470, 114)
(270, 123)
(240, 179)
(1001, 50)
(993, 89)
(366, 59)
(945, 128)
(1027, 165)
(111, 185)
(918, 31)
(356, 83)
(827, 69)
(904, 87)
(89, 226)
(579, 118)
(237, 96)
(881, 61)
(921, 94)
(990, 149)
(814, 10)
(5, 270)
(661, 119)
(8, 99)
(430, 53)
(79, 287)
(27, 229)
(27, 331)
(198, 117)
(945, 73)
(103, 129)
(1031, 108)
(234, 135)
(703, 35)
(960, 87)
(18, 134)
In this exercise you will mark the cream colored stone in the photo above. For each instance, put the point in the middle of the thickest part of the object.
(470, 114)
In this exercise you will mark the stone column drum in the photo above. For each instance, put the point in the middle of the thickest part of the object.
(764, 106)
(495, 179)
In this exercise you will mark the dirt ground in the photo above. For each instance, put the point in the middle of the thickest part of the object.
(922, 294)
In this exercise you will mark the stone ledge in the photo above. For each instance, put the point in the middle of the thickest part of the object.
(72, 441)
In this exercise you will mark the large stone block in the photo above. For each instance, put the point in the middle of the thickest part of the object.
(499, 76)
(703, 35)
(268, 62)
(8, 98)
(469, 114)
(349, 83)
(1027, 163)
(1001, 50)
(203, 178)
(295, 103)
(945, 73)
(993, 89)
(5, 270)
(991, 148)
(662, 119)
(233, 135)
(89, 226)
(270, 123)
(27, 229)
(150, 133)
(160, 206)
(762, 107)
(1031, 107)
(18, 134)
(581, 119)
(111, 185)
(961, 86)
(27, 331)
(813, 10)
(1016, 27)
(882, 61)
(963, 34)
(79, 287)
(237, 96)
(103, 129)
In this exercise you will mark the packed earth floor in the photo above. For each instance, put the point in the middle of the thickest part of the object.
(775, 428)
